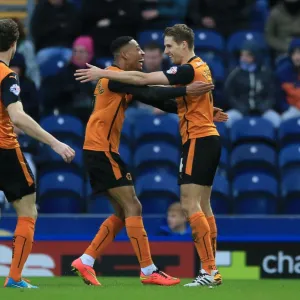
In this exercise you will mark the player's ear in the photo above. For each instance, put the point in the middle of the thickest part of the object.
(124, 54)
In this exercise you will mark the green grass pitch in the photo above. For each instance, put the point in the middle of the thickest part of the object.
(114, 288)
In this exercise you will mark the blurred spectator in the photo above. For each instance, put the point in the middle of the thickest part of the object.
(282, 25)
(223, 16)
(105, 20)
(26, 48)
(153, 58)
(289, 78)
(63, 92)
(163, 13)
(250, 87)
(30, 101)
(54, 26)
(176, 222)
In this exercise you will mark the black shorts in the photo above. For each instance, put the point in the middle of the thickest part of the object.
(16, 179)
(199, 160)
(106, 170)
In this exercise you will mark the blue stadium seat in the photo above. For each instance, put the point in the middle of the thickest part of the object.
(99, 205)
(217, 69)
(53, 159)
(52, 66)
(126, 154)
(220, 197)
(156, 155)
(157, 205)
(61, 205)
(224, 133)
(157, 185)
(253, 129)
(64, 126)
(61, 182)
(209, 40)
(255, 193)
(127, 132)
(224, 159)
(148, 36)
(253, 157)
(237, 39)
(289, 157)
(291, 183)
(290, 190)
(289, 132)
(154, 128)
(104, 62)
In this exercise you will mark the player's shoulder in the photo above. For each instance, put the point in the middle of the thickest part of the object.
(6, 71)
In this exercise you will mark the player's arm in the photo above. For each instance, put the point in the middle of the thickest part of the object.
(159, 96)
(10, 91)
(176, 75)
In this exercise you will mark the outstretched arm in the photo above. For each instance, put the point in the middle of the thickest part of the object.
(10, 96)
(176, 75)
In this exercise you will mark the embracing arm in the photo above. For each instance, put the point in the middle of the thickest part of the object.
(182, 75)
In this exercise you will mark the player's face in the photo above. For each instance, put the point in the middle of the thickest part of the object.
(135, 57)
(175, 220)
(296, 58)
(174, 50)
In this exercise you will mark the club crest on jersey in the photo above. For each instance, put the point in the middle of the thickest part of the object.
(173, 70)
(15, 89)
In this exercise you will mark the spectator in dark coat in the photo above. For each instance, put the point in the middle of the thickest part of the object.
(289, 78)
(54, 26)
(63, 92)
(250, 87)
(105, 20)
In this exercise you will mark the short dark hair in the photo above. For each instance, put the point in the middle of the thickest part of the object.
(180, 33)
(119, 42)
(152, 46)
(9, 33)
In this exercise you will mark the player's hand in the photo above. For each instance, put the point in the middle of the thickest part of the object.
(92, 73)
(219, 115)
(199, 88)
(66, 152)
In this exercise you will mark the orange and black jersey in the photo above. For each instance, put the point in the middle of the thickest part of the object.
(111, 101)
(10, 93)
(195, 112)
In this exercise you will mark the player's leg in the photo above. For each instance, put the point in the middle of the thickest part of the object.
(105, 235)
(207, 210)
(126, 197)
(200, 159)
(19, 189)
(189, 198)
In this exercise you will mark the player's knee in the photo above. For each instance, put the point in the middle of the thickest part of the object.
(189, 206)
(119, 212)
(26, 207)
(133, 207)
(206, 207)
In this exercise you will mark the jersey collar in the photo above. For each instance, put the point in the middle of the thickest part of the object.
(1, 61)
(191, 59)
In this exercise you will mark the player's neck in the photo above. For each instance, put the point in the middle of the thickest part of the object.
(5, 57)
(187, 57)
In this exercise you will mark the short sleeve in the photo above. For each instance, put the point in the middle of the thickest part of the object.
(180, 75)
(10, 89)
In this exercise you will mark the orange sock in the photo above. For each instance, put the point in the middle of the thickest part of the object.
(201, 237)
(213, 233)
(139, 240)
(22, 245)
(106, 234)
